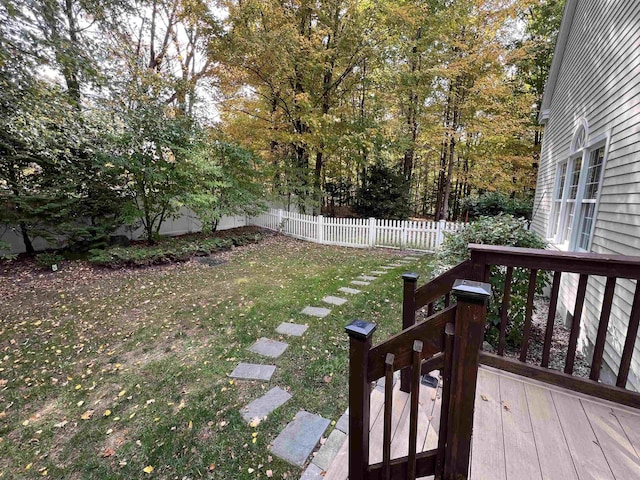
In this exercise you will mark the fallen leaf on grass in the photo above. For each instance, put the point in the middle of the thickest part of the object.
(269, 473)
(87, 415)
(60, 424)
(108, 453)
(148, 469)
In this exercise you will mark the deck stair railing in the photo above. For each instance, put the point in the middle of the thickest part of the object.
(451, 340)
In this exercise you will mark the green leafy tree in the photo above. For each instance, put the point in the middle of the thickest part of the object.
(383, 195)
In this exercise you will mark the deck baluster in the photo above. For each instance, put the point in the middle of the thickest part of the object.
(413, 413)
(598, 350)
(449, 333)
(575, 326)
(408, 320)
(504, 310)
(388, 406)
(551, 318)
(630, 341)
(533, 276)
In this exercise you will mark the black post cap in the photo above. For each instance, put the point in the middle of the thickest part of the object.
(470, 291)
(410, 277)
(360, 329)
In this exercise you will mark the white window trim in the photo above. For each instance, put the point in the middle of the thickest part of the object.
(584, 153)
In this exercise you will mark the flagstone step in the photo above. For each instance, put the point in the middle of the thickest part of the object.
(350, 291)
(319, 312)
(292, 329)
(264, 405)
(378, 272)
(334, 300)
(359, 282)
(268, 348)
(367, 278)
(299, 438)
(253, 371)
(330, 449)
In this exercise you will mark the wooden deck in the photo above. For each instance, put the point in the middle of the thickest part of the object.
(523, 430)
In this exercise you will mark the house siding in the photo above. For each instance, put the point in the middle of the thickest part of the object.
(599, 80)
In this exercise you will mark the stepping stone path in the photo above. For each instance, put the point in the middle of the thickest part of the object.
(319, 312)
(252, 371)
(367, 278)
(263, 406)
(268, 347)
(351, 291)
(334, 300)
(301, 436)
(298, 439)
(292, 329)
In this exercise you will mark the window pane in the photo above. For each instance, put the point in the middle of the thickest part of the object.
(569, 221)
(588, 210)
(556, 217)
(593, 174)
(563, 176)
(575, 178)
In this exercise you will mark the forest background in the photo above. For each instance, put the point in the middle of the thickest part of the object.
(124, 111)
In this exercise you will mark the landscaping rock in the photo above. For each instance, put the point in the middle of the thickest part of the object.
(330, 449)
(319, 312)
(359, 282)
(268, 347)
(252, 371)
(298, 439)
(351, 291)
(367, 278)
(334, 300)
(313, 472)
(263, 406)
(292, 329)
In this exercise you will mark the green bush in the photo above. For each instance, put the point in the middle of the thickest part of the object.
(496, 203)
(504, 230)
(47, 260)
(5, 252)
(168, 250)
(383, 194)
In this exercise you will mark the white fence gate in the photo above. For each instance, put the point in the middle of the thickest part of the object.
(356, 232)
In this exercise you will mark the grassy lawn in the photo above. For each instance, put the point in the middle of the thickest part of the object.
(106, 372)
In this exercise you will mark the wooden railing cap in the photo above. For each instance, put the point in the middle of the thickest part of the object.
(476, 292)
(360, 329)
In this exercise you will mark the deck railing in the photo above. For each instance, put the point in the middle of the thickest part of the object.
(451, 340)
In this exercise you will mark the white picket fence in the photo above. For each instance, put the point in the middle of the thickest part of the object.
(356, 232)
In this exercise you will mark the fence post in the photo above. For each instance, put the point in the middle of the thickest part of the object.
(320, 229)
(408, 320)
(280, 215)
(372, 232)
(360, 339)
(440, 233)
(471, 313)
(403, 234)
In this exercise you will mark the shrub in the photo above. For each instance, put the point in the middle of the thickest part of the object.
(5, 252)
(47, 260)
(384, 194)
(496, 203)
(168, 250)
(504, 230)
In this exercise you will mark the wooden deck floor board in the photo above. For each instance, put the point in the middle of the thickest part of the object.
(553, 453)
(618, 450)
(487, 458)
(520, 452)
(587, 455)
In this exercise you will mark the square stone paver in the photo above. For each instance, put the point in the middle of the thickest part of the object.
(359, 282)
(268, 347)
(263, 406)
(252, 371)
(298, 439)
(319, 312)
(351, 291)
(313, 472)
(397, 265)
(411, 259)
(387, 267)
(291, 329)
(334, 300)
(343, 422)
(330, 449)
(378, 272)
(367, 278)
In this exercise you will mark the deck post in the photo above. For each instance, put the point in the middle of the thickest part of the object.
(408, 320)
(360, 336)
(471, 311)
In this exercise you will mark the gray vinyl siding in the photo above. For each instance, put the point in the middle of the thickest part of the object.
(599, 80)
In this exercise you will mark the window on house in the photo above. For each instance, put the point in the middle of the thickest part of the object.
(575, 198)
(590, 197)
